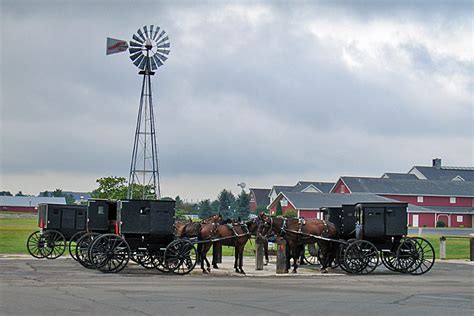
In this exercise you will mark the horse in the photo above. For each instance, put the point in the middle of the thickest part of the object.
(252, 226)
(232, 234)
(297, 234)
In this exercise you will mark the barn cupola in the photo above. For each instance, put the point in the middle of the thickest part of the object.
(437, 163)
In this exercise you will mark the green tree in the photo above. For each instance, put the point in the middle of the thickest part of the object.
(114, 188)
(45, 194)
(279, 210)
(226, 204)
(260, 209)
(6, 193)
(20, 194)
(205, 209)
(243, 205)
(215, 207)
(290, 214)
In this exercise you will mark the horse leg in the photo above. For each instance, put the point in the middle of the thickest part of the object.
(288, 253)
(214, 257)
(236, 258)
(205, 249)
(325, 252)
(265, 249)
(241, 258)
(296, 256)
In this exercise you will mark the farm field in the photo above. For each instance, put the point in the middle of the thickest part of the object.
(14, 232)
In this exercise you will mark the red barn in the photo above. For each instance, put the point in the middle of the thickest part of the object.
(259, 197)
(26, 204)
(451, 202)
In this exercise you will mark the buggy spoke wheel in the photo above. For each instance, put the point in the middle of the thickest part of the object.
(82, 249)
(35, 245)
(389, 260)
(361, 257)
(406, 255)
(180, 257)
(55, 244)
(145, 259)
(425, 257)
(109, 253)
(158, 261)
(73, 243)
(313, 255)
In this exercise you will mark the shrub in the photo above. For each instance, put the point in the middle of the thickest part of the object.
(290, 214)
(440, 224)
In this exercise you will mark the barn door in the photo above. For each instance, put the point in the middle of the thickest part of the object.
(415, 220)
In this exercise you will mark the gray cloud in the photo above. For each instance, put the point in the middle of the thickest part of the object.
(249, 90)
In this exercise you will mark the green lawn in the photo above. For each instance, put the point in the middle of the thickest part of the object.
(15, 231)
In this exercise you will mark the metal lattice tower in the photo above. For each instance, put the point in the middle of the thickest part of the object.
(148, 50)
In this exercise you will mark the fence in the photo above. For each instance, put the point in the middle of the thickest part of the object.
(442, 246)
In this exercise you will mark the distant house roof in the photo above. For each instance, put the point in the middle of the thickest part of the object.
(76, 195)
(409, 187)
(445, 209)
(29, 201)
(400, 176)
(445, 173)
(261, 196)
(324, 187)
(314, 201)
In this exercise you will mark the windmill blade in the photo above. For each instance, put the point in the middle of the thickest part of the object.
(162, 57)
(138, 39)
(156, 32)
(153, 64)
(162, 51)
(146, 31)
(162, 40)
(143, 63)
(163, 45)
(151, 31)
(158, 61)
(135, 56)
(141, 34)
(137, 62)
(134, 50)
(115, 46)
(160, 36)
(135, 44)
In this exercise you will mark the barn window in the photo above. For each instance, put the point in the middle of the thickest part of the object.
(459, 218)
(419, 199)
(452, 200)
(283, 202)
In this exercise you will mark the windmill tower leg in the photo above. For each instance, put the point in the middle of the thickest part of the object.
(144, 175)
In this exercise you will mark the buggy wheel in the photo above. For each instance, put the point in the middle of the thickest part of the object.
(406, 255)
(389, 260)
(314, 255)
(36, 245)
(158, 261)
(361, 256)
(180, 257)
(145, 259)
(109, 253)
(55, 244)
(82, 249)
(73, 243)
(425, 257)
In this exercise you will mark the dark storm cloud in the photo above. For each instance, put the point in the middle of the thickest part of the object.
(253, 89)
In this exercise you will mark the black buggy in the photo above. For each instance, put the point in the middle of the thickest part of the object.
(101, 219)
(58, 224)
(376, 233)
(145, 232)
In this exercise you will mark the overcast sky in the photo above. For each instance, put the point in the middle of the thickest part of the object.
(262, 92)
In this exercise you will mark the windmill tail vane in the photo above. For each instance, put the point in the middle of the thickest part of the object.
(148, 48)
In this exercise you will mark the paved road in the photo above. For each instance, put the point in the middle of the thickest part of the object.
(441, 231)
(62, 287)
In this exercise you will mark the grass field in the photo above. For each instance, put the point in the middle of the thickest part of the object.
(15, 231)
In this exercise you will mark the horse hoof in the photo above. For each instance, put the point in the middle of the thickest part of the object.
(215, 266)
(286, 271)
(242, 271)
(324, 271)
(294, 271)
(205, 272)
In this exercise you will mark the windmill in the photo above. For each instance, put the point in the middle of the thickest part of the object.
(149, 48)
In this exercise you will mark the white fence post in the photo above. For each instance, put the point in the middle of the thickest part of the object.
(442, 247)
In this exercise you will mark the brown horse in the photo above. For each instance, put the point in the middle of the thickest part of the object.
(297, 234)
(252, 226)
(232, 234)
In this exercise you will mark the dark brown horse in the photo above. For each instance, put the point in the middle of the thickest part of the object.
(297, 234)
(252, 226)
(231, 234)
